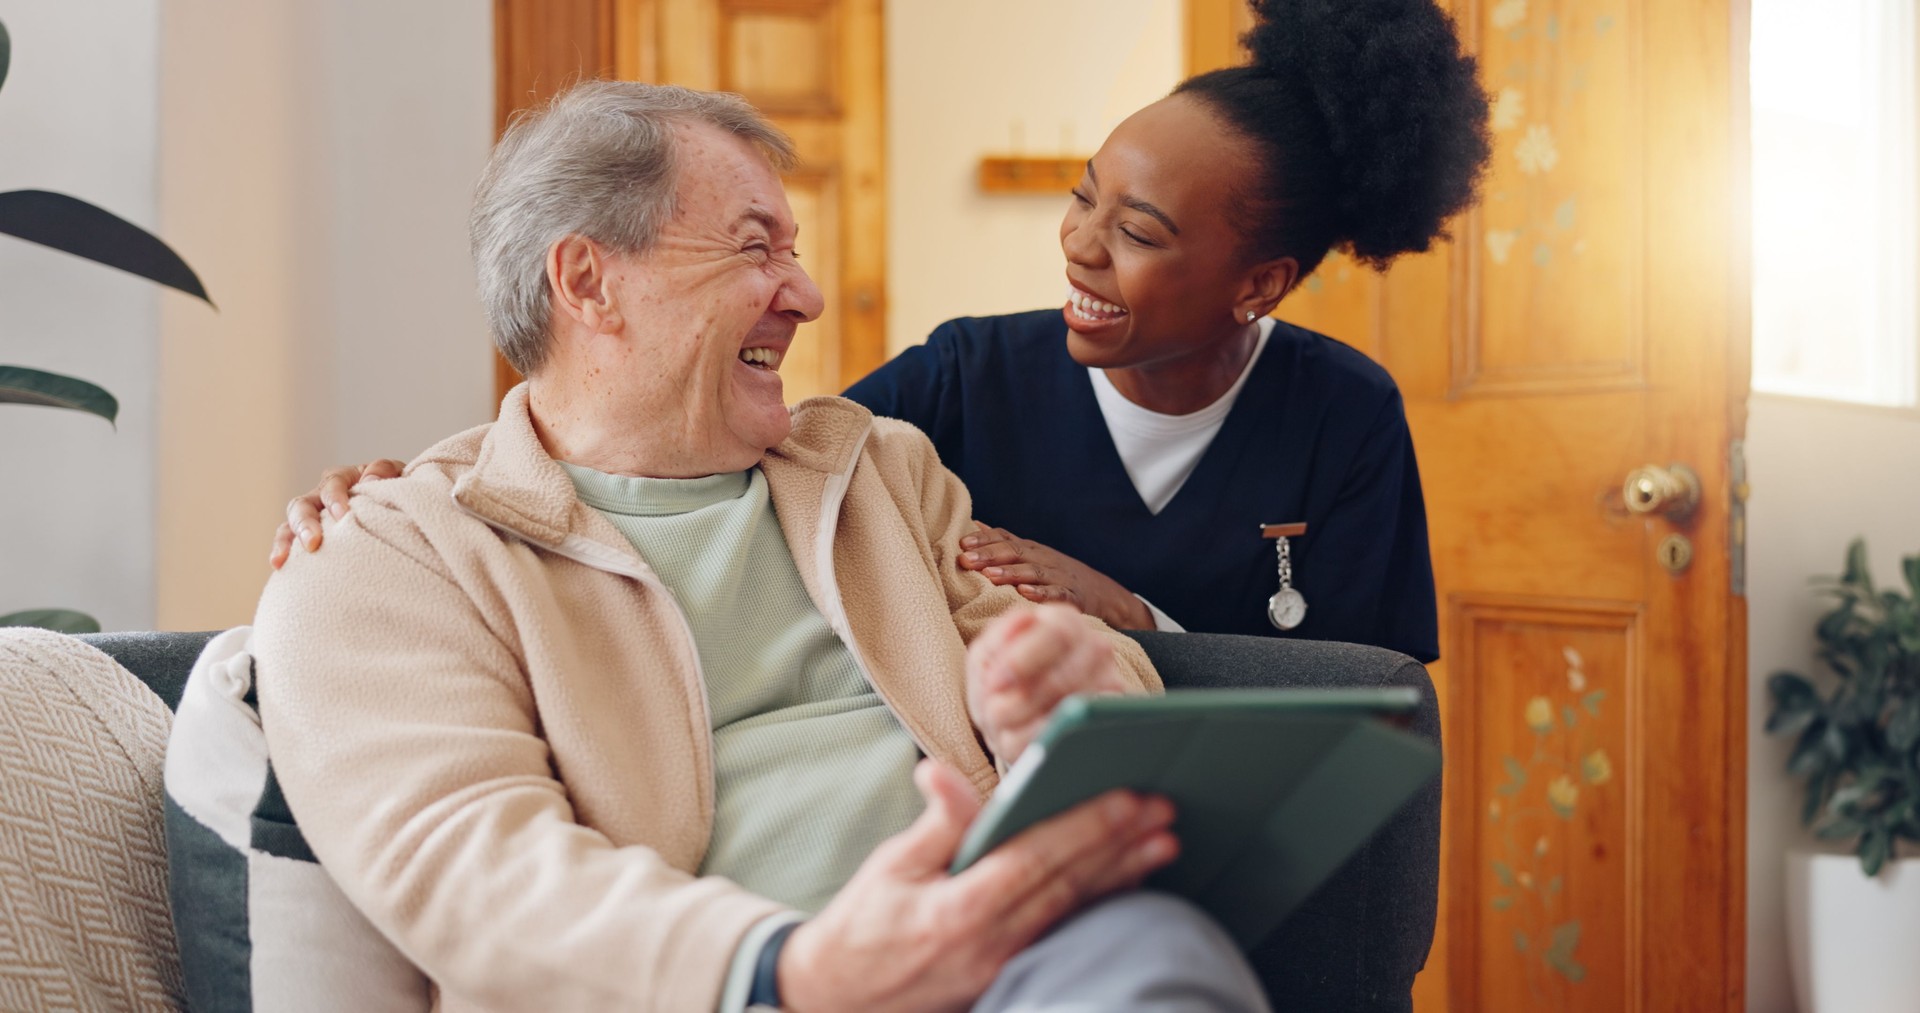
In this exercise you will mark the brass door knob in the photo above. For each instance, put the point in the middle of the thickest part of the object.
(1673, 490)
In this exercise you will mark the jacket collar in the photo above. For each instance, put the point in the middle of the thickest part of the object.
(515, 486)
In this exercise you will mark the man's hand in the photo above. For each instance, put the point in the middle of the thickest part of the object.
(1024, 664)
(903, 935)
(303, 512)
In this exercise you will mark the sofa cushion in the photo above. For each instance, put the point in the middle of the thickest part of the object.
(83, 861)
(261, 924)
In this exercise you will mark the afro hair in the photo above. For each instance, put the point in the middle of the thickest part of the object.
(1368, 118)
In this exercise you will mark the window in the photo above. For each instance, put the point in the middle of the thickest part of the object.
(1835, 257)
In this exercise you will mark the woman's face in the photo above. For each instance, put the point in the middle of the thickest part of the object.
(1154, 256)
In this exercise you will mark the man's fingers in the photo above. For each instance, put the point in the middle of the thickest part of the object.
(303, 517)
(385, 467)
(929, 844)
(1047, 639)
(335, 485)
(282, 546)
(1082, 670)
(1063, 852)
(1121, 868)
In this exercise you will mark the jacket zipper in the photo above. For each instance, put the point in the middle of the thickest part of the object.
(830, 501)
(589, 553)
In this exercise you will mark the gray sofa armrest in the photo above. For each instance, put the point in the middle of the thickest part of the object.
(161, 660)
(1356, 944)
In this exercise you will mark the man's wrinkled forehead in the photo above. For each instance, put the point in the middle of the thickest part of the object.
(726, 179)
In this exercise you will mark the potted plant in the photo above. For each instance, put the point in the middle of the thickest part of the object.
(74, 226)
(1854, 919)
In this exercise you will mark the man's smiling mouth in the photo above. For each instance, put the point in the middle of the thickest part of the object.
(763, 358)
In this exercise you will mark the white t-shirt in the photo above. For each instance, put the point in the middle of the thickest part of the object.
(1161, 451)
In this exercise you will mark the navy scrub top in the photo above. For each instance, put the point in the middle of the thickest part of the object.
(1318, 434)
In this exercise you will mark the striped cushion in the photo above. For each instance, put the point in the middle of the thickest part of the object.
(261, 926)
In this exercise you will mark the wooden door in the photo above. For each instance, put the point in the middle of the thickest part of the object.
(1589, 318)
(814, 67)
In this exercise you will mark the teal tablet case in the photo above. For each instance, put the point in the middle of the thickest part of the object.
(1272, 789)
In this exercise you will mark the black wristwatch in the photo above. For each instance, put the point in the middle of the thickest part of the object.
(766, 970)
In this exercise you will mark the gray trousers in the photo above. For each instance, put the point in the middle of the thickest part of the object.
(1141, 951)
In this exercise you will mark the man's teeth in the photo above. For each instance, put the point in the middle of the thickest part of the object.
(1093, 309)
(768, 357)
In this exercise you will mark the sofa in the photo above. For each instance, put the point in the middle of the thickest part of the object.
(84, 918)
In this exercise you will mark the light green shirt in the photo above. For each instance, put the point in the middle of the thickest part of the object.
(812, 770)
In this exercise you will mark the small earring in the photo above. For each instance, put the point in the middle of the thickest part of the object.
(1250, 315)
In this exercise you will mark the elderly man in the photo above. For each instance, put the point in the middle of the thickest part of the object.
(620, 701)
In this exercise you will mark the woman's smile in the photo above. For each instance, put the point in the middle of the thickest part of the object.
(1087, 312)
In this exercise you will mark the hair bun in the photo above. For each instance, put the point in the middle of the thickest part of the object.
(1405, 115)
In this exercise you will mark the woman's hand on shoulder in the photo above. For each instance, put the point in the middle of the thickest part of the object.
(303, 512)
(1042, 574)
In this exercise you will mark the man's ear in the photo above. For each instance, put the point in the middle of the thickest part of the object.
(1266, 284)
(578, 281)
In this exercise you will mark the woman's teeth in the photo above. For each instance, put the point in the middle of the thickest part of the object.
(767, 357)
(1088, 308)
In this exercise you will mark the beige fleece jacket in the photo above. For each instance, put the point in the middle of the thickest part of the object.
(488, 713)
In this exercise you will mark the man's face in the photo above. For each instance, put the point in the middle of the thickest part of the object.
(714, 304)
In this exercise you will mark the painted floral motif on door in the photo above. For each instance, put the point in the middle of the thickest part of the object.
(1541, 752)
(1545, 254)
(1542, 784)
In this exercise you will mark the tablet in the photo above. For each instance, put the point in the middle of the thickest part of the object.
(1272, 789)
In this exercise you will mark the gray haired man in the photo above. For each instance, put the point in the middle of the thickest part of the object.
(622, 702)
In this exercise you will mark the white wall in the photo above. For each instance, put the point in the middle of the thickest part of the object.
(77, 115)
(962, 78)
(317, 160)
(1821, 474)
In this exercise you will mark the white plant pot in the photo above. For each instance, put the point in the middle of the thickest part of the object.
(1855, 941)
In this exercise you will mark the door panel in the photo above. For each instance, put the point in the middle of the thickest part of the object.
(1541, 756)
(1588, 318)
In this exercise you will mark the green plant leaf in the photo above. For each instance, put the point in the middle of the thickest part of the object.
(1554, 884)
(1808, 756)
(1856, 573)
(1850, 796)
(1791, 693)
(1568, 716)
(1909, 564)
(1833, 626)
(1515, 771)
(1841, 827)
(1874, 848)
(6, 52)
(1502, 873)
(1559, 955)
(1903, 731)
(1592, 701)
(57, 620)
(74, 226)
(1502, 903)
(20, 385)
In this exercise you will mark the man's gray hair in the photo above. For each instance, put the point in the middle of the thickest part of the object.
(598, 162)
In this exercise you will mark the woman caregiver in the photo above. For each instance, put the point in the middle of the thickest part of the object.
(1160, 451)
